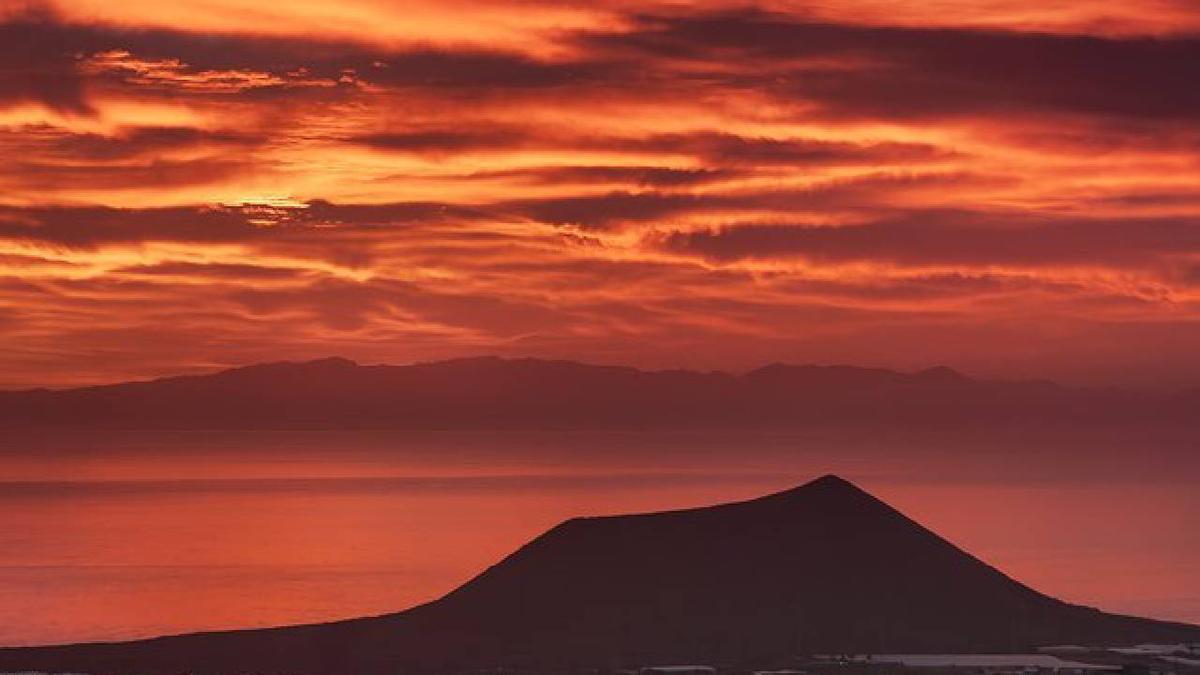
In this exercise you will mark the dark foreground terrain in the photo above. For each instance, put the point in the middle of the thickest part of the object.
(821, 568)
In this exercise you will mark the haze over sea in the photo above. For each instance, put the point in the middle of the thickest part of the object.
(117, 535)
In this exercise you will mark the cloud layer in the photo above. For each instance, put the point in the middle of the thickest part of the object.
(1010, 188)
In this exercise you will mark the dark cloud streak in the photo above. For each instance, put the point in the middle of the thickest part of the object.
(953, 238)
(911, 72)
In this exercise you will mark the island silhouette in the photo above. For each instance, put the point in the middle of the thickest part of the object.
(824, 567)
(496, 393)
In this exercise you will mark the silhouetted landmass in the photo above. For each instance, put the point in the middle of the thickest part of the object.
(821, 568)
(494, 393)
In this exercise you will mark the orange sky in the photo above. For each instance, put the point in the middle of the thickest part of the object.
(1006, 186)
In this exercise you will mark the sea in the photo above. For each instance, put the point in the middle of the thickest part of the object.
(119, 535)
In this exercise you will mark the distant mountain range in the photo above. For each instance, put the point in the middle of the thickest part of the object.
(495, 393)
(821, 568)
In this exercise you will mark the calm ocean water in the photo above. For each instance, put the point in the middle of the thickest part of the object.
(124, 535)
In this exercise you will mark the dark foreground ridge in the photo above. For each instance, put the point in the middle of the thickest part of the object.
(494, 393)
(824, 567)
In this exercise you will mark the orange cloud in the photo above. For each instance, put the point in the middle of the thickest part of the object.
(706, 184)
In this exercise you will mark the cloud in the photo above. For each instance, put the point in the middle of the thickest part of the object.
(89, 226)
(126, 143)
(953, 238)
(714, 149)
(38, 65)
(171, 73)
(727, 149)
(447, 139)
(637, 176)
(885, 71)
(615, 208)
(483, 70)
(660, 184)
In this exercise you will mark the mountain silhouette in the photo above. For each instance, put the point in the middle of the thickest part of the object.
(494, 393)
(824, 567)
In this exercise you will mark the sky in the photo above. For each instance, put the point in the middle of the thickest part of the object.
(1008, 187)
